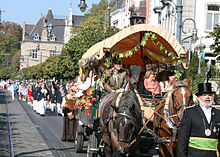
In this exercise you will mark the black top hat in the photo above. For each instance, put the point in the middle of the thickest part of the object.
(204, 88)
(117, 60)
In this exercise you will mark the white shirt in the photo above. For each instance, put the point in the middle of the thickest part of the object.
(12, 88)
(207, 112)
(165, 88)
(84, 86)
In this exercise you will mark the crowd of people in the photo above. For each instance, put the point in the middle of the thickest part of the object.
(64, 99)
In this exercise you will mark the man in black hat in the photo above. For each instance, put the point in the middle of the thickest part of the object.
(199, 131)
(116, 78)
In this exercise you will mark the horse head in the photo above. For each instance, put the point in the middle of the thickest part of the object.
(127, 121)
(180, 98)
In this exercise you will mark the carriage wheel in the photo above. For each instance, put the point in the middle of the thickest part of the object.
(79, 139)
(92, 150)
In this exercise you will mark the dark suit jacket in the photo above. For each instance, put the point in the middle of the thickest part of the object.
(53, 97)
(110, 84)
(192, 125)
(59, 97)
(39, 94)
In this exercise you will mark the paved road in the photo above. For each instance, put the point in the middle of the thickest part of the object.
(4, 138)
(32, 134)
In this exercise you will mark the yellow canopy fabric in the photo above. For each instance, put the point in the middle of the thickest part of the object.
(129, 37)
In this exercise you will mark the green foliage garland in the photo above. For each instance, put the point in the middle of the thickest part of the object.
(147, 35)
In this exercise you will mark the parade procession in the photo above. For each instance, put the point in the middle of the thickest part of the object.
(131, 78)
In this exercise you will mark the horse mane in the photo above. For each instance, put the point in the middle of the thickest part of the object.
(128, 99)
(129, 102)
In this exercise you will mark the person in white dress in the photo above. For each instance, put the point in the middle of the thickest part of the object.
(82, 86)
(12, 90)
(42, 102)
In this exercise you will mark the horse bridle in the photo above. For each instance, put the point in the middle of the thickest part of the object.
(123, 114)
(175, 106)
(183, 105)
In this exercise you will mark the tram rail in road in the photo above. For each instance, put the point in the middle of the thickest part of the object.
(31, 134)
(5, 126)
(10, 146)
(57, 148)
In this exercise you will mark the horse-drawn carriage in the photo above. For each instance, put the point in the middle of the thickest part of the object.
(138, 123)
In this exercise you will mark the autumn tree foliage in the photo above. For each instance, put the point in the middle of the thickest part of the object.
(11, 28)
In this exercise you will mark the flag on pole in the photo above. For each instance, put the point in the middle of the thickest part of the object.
(202, 55)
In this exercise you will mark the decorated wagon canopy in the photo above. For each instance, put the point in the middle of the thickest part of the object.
(138, 45)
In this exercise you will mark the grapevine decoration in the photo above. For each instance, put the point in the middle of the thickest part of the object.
(147, 35)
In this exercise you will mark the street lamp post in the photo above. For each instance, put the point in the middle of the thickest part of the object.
(180, 23)
(179, 11)
(194, 32)
(82, 5)
(178, 8)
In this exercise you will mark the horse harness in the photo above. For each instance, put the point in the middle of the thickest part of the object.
(168, 113)
(114, 103)
(167, 117)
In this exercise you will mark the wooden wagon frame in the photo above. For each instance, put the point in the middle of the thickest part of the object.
(136, 45)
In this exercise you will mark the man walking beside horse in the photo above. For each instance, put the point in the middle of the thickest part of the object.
(199, 130)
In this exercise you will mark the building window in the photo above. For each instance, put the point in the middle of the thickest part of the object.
(52, 53)
(36, 36)
(22, 58)
(53, 37)
(212, 16)
(34, 54)
(115, 23)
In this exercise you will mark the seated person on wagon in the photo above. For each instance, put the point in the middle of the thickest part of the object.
(116, 78)
(152, 86)
(167, 81)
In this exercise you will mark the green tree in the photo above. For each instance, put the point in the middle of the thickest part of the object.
(9, 45)
(8, 72)
(192, 73)
(50, 67)
(9, 55)
(215, 34)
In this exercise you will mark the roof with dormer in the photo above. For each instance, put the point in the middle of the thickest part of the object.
(58, 26)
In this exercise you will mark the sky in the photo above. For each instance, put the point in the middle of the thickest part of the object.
(30, 11)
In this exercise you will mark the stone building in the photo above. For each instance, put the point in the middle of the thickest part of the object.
(46, 38)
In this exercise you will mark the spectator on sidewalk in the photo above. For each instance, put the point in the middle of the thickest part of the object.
(53, 99)
(69, 120)
(12, 90)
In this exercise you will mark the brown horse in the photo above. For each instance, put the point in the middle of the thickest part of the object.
(119, 124)
(169, 112)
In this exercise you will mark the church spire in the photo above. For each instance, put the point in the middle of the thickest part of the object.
(49, 14)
